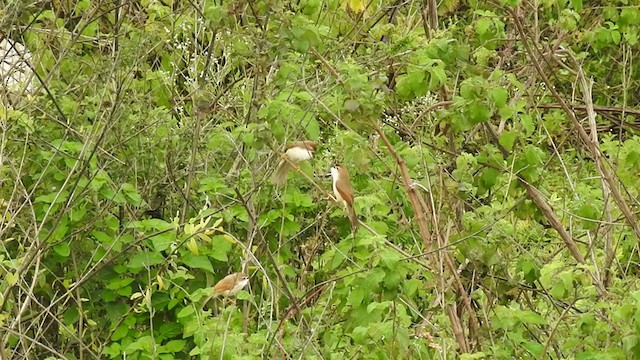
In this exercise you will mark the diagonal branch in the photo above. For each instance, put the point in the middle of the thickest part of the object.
(542, 204)
(588, 142)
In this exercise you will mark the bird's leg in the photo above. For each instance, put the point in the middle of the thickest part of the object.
(292, 163)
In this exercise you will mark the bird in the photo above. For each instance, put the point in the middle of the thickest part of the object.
(229, 286)
(295, 152)
(344, 193)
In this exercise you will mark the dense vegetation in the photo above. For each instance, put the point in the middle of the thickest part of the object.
(492, 145)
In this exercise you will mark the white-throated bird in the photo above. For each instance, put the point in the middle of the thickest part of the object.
(295, 152)
(344, 193)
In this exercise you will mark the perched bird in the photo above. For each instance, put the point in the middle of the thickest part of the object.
(229, 286)
(295, 152)
(344, 193)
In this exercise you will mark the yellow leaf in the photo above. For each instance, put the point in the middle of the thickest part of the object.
(357, 6)
(192, 245)
(218, 222)
(188, 229)
(205, 237)
(136, 295)
(160, 281)
(11, 279)
(229, 239)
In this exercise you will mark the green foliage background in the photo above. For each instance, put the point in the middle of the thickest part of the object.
(138, 175)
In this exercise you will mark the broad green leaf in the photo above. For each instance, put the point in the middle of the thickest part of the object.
(479, 112)
(185, 311)
(312, 128)
(120, 332)
(530, 317)
(174, 346)
(220, 248)
(145, 259)
(63, 249)
(507, 139)
(499, 96)
(163, 241)
(197, 262)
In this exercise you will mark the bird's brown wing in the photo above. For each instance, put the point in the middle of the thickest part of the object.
(345, 191)
(225, 284)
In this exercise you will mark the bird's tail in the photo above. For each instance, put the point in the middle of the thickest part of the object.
(280, 175)
(353, 217)
(207, 299)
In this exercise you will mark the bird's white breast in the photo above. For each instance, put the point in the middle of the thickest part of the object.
(297, 154)
(239, 285)
(334, 175)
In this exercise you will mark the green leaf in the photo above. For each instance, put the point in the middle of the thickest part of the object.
(312, 128)
(507, 139)
(489, 178)
(482, 25)
(359, 335)
(529, 269)
(244, 295)
(576, 4)
(185, 311)
(71, 315)
(120, 332)
(589, 211)
(214, 14)
(163, 241)
(63, 249)
(219, 248)
(145, 259)
(197, 262)
(616, 37)
(411, 85)
(351, 105)
(438, 76)
(530, 317)
(50, 198)
(77, 213)
(479, 112)
(174, 346)
(499, 96)
(527, 124)
(356, 296)
(534, 348)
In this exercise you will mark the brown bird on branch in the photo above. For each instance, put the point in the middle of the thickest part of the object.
(344, 193)
(230, 285)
